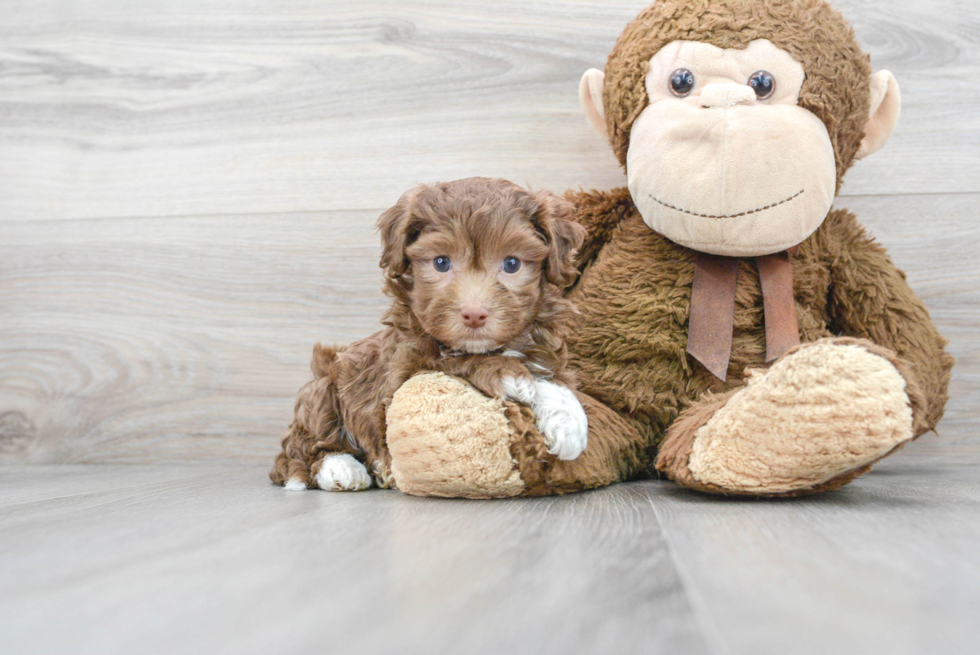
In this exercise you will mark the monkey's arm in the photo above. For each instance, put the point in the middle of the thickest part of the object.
(599, 212)
(870, 298)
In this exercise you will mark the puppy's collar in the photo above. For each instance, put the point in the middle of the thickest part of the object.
(446, 351)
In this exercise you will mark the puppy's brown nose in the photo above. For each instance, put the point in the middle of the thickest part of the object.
(474, 316)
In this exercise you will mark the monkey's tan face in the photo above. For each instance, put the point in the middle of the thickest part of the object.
(723, 160)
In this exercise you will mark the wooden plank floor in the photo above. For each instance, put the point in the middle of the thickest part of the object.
(164, 559)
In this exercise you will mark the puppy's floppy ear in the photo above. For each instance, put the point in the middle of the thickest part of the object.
(555, 220)
(398, 229)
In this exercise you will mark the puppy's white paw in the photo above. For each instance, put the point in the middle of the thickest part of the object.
(523, 390)
(342, 473)
(562, 420)
(294, 484)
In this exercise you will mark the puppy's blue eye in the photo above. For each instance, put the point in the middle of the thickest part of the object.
(442, 264)
(511, 265)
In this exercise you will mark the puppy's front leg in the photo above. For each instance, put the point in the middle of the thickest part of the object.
(500, 377)
(561, 418)
(523, 389)
(557, 412)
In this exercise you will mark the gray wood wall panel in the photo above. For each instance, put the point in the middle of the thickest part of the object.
(142, 340)
(188, 191)
(115, 108)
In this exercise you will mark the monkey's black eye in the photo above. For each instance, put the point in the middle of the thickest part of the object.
(681, 82)
(442, 264)
(763, 84)
(511, 265)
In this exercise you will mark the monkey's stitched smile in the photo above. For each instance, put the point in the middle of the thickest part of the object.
(746, 213)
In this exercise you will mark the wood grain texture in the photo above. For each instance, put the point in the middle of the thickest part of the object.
(141, 340)
(219, 560)
(163, 559)
(187, 199)
(114, 108)
(887, 565)
(188, 192)
(164, 340)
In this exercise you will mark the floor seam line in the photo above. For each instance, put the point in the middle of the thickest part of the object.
(699, 608)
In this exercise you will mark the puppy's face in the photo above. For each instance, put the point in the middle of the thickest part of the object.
(477, 279)
(478, 254)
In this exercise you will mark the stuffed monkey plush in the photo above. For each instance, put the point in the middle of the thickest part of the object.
(737, 332)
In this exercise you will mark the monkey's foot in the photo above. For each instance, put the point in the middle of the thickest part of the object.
(448, 439)
(817, 419)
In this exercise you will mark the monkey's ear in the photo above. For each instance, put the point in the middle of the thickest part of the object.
(555, 219)
(590, 95)
(886, 105)
(395, 225)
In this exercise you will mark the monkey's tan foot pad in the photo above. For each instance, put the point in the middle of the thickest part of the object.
(448, 439)
(818, 418)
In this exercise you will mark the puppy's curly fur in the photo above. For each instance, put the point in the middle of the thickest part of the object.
(474, 224)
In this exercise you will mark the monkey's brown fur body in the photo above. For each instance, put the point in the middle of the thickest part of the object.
(870, 375)
(629, 349)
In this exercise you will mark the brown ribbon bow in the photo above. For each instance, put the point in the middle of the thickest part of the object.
(709, 337)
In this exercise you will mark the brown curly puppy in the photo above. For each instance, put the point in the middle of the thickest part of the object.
(475, 270)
